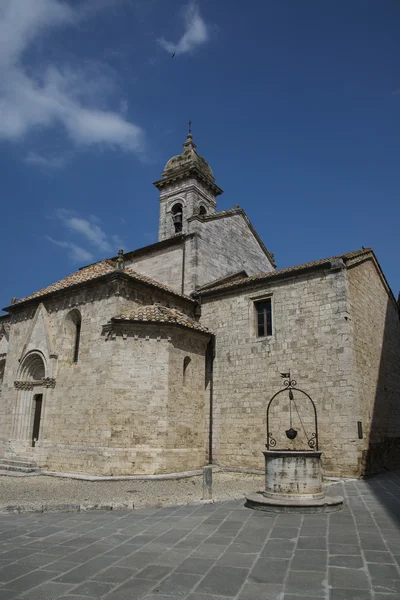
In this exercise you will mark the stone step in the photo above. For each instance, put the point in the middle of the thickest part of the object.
(14, 464)
(25, 462)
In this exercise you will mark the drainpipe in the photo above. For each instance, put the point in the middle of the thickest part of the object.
(210, 373)
(183, 265)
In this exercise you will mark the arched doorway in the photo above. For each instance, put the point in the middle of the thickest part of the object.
(28, 410)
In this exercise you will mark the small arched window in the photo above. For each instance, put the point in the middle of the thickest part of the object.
(203, 210)
(73, 327)
(186, 369)
(177, 217)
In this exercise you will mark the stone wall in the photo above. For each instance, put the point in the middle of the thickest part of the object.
(191, 194)
(311, 337)
(108, 413)
(223, 245)
(139, 418)
(164, 265)
(376, 373)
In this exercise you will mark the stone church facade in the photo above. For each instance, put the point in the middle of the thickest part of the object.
(163, 359)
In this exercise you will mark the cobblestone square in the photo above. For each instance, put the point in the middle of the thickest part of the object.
(220, 551)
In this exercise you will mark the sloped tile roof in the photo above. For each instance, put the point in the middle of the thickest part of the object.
(81, 276)
(279, 272)
(156, 313)
(93, 272)
(150, 281)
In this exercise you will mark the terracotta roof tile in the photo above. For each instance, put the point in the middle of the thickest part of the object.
(149, 280)
(93, 272)
(277, 272)
(156, 313)
(81, 276)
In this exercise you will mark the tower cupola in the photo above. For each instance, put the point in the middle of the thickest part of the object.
(187, 188)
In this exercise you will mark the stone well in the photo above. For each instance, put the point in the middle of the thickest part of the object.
(293, 483)
(293, 477)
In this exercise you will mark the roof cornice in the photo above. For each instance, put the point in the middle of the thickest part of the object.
(187, 173)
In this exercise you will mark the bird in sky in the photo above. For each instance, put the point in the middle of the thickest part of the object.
(173, 55)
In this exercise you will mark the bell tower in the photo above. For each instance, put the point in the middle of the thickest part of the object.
(187, 188)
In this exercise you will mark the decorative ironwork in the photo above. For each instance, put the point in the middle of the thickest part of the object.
(291, 433)
(313, 441)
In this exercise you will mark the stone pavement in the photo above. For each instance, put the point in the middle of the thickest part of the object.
(209, 552)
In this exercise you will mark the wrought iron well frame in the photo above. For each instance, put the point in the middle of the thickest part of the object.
(290, 385)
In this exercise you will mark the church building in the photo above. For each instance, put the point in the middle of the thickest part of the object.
(163, 359)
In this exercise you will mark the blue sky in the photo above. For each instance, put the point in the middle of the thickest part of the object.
(296, 106)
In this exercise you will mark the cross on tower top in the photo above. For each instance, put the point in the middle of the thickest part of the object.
(190, 127)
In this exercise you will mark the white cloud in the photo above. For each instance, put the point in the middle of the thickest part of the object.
(196, 33)
(47, 162)
(89, 233)
(75, 253)
(54, 95)
(89, 229)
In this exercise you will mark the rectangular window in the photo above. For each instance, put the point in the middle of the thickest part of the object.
(263, 317)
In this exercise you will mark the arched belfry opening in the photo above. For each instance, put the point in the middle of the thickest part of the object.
(27, 414)
(177, 217)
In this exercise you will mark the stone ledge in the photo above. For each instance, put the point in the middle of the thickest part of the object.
(87, 477)
(44, 508)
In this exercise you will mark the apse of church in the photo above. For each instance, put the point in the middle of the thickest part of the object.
(161, 359)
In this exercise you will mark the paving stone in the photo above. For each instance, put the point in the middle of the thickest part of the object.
(348, 578)
(234, 559)
(383, 571)
(345, 560)
(84, 571)
(284, 533)
(27, 582)
(7, 594)
(115, 575)
(261, 591)
(386, 585)
(47, 591)
(306, 560)
(208, 551)
(172, 557)
(378, 557)
(305, 583)
(156, 572)
(311, 543)
(296, 597)
(352, 594)
(353, 549)
(196, 565)
(178, 584)
(137, 560)
(92, 589)
(223, 581)
(278, 548)
(133, 589)
(267, 570)
(12, 571)
(61, 566)
(194, 596)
